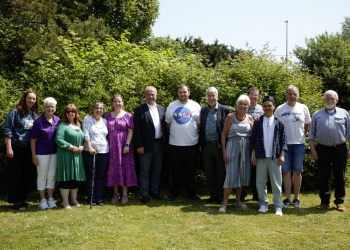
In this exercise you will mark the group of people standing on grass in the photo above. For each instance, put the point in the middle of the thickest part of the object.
(63, 151)
(257, 141)
(238, 149)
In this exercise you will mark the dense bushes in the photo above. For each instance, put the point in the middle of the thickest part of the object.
(90, 71)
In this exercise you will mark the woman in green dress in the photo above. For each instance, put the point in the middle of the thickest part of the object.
(70, 168)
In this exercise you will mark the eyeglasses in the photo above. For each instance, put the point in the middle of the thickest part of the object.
(70, 111)
(51, 107)
(99, 108)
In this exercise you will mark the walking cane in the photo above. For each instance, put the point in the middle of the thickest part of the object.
(93, 181)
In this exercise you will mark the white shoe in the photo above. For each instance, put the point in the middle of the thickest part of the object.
(51, 203)
(43, 204)
(262, 209)
(222, 210)
(66, 206)
(278, 211)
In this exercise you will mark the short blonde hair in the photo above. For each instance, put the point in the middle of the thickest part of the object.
(243, 98)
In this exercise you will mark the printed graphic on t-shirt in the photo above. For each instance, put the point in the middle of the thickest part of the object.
(182, 115)
(28, 124)
(294, 115)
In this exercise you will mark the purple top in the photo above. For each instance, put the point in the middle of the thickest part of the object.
(45, 134)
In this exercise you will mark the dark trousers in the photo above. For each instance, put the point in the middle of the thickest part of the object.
(214, 168)
(252, 183)
(151, 162)
(101, 164)
(183, 159)
(332, 159)
(18, 173)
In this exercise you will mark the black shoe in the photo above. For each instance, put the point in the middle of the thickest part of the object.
(212, 199)
(194, 197)
(219, 200)
(172, 197)
(144, 199)
(287, 202)
(242, 198)
(255, 198)
(157, 197)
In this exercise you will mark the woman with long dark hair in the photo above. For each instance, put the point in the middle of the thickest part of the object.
(16, 130)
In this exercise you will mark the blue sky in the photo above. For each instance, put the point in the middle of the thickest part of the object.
(256, 22)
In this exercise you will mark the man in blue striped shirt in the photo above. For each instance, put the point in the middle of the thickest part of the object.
(330, 126)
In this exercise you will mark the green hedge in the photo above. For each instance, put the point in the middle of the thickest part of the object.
(91, 71)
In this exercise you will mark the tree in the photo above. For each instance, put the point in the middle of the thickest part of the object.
(211, 54)
(329, 57)
(346, 29)
(29, 29)
(135, 16)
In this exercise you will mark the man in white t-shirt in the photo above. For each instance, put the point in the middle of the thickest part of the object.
(296, 117)
(183, 120)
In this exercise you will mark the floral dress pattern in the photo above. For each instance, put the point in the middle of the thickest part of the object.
(121, 169)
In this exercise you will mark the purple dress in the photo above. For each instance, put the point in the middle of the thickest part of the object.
(121, 171)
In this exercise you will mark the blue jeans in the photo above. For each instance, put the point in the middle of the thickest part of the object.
(101, 163)
(152, 160)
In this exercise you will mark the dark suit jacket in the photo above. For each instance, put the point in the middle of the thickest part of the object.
(223, 111)
(144, 128)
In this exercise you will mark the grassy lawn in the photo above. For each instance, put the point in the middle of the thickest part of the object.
(182, 224)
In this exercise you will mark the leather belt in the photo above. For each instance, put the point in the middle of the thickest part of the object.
(159, 139)
(332, 146)
(211, 142)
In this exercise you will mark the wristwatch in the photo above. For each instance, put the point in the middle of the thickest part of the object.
(127, 144)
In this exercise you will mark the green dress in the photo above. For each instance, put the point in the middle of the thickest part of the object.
(69, 165)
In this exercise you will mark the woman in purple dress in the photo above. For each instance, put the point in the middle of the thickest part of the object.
(121, 171)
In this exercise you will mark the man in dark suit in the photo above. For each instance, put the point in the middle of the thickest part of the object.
(151, 140)
(213, 118)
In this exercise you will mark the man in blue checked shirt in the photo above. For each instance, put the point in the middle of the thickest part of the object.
(330, 126)
(268, 144)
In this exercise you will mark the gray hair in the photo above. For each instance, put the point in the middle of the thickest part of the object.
(150, 88)
(332, 92)
(253, 89)
(49, 100)
(212, 89)
(292, 87)
(97, 104)
(243, 98)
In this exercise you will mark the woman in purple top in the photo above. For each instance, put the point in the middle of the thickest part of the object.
(44, 152)
(121, 171)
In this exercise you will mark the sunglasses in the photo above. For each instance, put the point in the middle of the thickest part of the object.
(70, 111)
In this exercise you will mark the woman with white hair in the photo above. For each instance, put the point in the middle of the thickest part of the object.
(236, 152)
(44, 152)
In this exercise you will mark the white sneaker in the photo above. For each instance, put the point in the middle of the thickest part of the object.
(279, 211)
(43, 204)
(262, 209)
(51, 203)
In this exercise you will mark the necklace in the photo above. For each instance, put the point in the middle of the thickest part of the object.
(242, 118)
